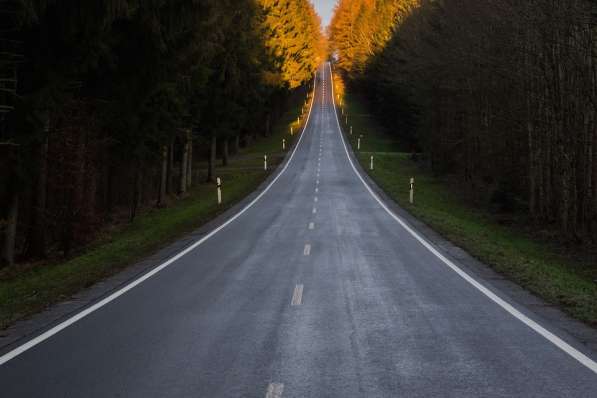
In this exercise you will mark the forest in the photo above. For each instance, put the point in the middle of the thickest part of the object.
(108, 105)
(501, 94)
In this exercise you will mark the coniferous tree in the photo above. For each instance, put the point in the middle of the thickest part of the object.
(501, 93)
(117, 98)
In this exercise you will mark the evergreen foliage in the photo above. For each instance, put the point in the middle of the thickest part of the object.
(500, 93)
(114, 96)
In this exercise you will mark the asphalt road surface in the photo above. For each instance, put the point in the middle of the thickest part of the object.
(315, 290)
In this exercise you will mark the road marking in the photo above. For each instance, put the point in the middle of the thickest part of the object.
(89, 310)
(307, 250)
(311, 225)
(317, 182)
(297, 296)
(316, 190)
(552, 338)
(274, 390)
(315, 199)
(314, 210)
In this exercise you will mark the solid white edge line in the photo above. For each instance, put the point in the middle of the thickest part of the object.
(113, 296)
(557, 341)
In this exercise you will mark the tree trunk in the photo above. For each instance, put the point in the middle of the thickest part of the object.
(190, 160)
(10, 233)
(109, 191)
(225, 153)
(164, 179)
(211, 164)
(136, 192)
(237, 144)
(106, 181)
(38, 231)
(183, 167)
(169, 184)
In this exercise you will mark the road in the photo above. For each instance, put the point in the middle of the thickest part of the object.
(315, 290)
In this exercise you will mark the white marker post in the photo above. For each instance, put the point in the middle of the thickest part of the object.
(298, 120)
(265, 162)
(371, 162)
(350, 130)
(359, 143)
(219, 185)
(346, 119)
(283, 144)
(291, 131)
(412, 190)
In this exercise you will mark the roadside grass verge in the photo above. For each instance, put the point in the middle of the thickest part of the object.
(24, 292)
(542, 267)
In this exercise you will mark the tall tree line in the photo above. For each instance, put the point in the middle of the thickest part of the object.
(501, 93)
(106, 105)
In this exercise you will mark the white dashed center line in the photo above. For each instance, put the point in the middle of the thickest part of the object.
(307, 250)
(311, 225)
(297, 296)
(274, 390)
(314, 210)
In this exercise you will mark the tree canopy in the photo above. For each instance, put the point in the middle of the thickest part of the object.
(293, 40)
(501, 93)
(108, 89)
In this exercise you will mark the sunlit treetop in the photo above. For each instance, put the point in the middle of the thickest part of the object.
(361, 28)
(294, 39)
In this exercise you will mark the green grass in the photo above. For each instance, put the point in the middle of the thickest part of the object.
(26, 291)
(535, 264)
